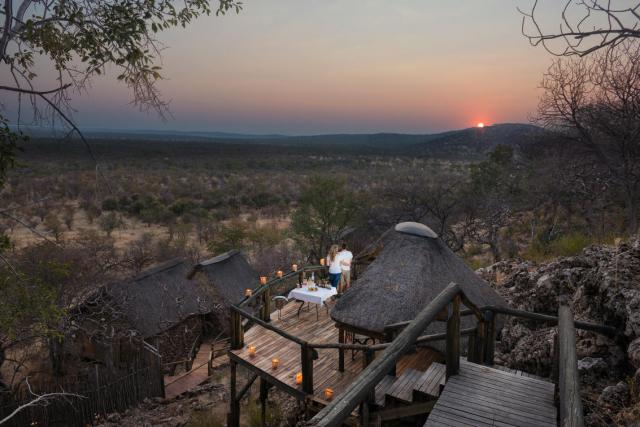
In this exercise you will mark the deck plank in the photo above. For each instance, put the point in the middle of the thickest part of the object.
(480, 395)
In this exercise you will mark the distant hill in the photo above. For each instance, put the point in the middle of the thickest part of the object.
(472, 143)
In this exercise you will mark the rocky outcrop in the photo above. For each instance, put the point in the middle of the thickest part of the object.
(603, 286)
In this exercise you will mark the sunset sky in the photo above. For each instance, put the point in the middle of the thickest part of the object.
(306, 67)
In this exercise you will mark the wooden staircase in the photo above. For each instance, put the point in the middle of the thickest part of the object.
(409, 394)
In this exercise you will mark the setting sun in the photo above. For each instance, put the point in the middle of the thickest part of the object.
(480, 125)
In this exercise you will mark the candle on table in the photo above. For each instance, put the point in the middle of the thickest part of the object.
(252, 350)
(279, 274)
(248, 292)
(275, 362)
(299, 378)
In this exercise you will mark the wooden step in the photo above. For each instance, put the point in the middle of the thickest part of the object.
(402, 389)
(431, 382)
(382, 387)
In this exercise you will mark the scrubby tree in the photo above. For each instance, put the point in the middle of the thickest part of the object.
(491, 196)
(595, 102)
(327, 208)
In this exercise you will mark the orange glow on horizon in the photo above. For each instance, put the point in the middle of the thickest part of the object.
(480, 125)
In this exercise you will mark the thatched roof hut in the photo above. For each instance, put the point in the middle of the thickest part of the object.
(226, 276)
(160, 297)
(412, 266)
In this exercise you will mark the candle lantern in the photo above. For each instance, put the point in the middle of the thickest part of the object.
(248, 293)
(328, 393)
(263, 280)
(294, 267)
(321, 261)
(252, 350)
(299, 378)
(275, 362)
(279, 274)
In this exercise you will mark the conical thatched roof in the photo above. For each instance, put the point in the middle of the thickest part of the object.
(411, 268)
(230, 274)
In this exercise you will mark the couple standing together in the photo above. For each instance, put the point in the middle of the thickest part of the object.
(339, 260)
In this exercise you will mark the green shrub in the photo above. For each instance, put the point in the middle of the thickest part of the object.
(571, 244)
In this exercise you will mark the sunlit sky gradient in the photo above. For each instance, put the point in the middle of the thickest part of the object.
(306, 67)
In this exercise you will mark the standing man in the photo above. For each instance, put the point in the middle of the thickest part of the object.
(345, 256)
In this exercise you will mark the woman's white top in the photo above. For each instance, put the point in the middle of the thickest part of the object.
(334, 265)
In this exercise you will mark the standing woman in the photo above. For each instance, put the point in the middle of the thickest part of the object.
(335, 269)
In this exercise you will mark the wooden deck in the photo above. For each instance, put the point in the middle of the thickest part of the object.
(483, 396)
(270, 345)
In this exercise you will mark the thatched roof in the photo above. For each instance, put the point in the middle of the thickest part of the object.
(410, 269)
(160, 298)
(230, 274)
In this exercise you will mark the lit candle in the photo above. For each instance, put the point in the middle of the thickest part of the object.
(252, 350)
(328, 393)
(248, 293)
(299, 378)
(275, 362)
(279, 274)
(294, 267)
(263, 280)
(321, 261)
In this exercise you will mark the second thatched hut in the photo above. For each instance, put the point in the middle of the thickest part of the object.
(412, 266)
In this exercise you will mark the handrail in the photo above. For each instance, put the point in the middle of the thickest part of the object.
(339, 409)
(378, 347)
(602, 329)
(256, 292)
(569, 383)
(267, 325)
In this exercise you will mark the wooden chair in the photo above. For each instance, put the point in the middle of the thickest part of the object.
(280, 302)
(357, 339)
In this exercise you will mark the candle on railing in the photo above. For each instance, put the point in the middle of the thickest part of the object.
(252, 350)
(248, 293)
(263, 280)
(279, 274)
(294, 267)
(275, 362)
(321, 261)
(299, 378)
(328, 393)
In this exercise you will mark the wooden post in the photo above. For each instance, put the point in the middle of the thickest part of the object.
(237, 332)
(306, 356)
(453, 337)
(569, 387)
(266, 305)
(264, 393)
(233, 418)
(301, 277)
(490, 337)
(368, 358)
(472, 346)
(341, 350)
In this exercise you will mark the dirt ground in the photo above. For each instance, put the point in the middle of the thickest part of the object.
(207, 406)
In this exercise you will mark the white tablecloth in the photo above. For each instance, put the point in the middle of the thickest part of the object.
(315, 297)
